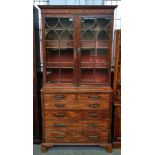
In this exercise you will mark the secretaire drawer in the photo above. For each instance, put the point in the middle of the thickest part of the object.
(94, 96)
(59, 97)
(83, 105)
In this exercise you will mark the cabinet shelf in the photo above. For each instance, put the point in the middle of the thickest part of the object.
(58, 67)
(60, 75)
(60, 43)
(59, 29)
(94, 67)
(59, 47)
(99, 47)
(94, 29)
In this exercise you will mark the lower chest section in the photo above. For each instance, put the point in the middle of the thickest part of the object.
(76, 117)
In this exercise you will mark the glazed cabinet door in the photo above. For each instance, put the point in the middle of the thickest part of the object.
(59, 46)
(94, 50)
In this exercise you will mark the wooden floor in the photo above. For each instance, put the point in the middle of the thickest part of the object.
(75, 150)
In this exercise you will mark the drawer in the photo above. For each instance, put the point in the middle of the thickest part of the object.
(59, 97)
(76, 125)
(94, 96)
(83, 105)
(75, 115)
(94, 136)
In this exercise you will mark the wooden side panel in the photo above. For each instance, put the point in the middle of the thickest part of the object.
(117, 126)
(36, 68)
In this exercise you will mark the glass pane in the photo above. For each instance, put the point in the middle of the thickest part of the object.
(101, 75)
(87, 75)
(59, 40)
(94, 50)
(103, 35)
(66, 22)
(51, 22)
(66, 75)
(52, 75)
(66, 55)
(52, 35)
(102, 58)
(52, 39)
(87, 57)
(87, 35)
(103, 22)
(103, 39)
(66, 39)
(67, 58)
(52, 55)
(87, 39)
(87, 22)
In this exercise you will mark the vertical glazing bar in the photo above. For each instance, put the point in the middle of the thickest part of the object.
(59, 61)
(95, 56)
(59, 56)
(110, 41)
(44, 50)
(75, 51)
(78, 32)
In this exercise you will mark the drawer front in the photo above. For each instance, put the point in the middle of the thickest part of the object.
(95, 136)
(94, 96)
(76, 125)
(59, 97)
(75, 115)
(85, 105)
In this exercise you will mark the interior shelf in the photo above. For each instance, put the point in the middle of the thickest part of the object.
(57, 75)
(60, 55)
(58, 67)
(91, 75)
(95, 67)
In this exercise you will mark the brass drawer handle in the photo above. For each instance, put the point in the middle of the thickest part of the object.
(59, 105)
(59, 125)
(60, 137)
(59, 97)
(93, 137)
(93, 115)
(59, 115)
(94, 105)
(93, 97)
(92, 125)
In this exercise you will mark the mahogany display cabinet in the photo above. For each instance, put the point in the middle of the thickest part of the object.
(76, 92)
